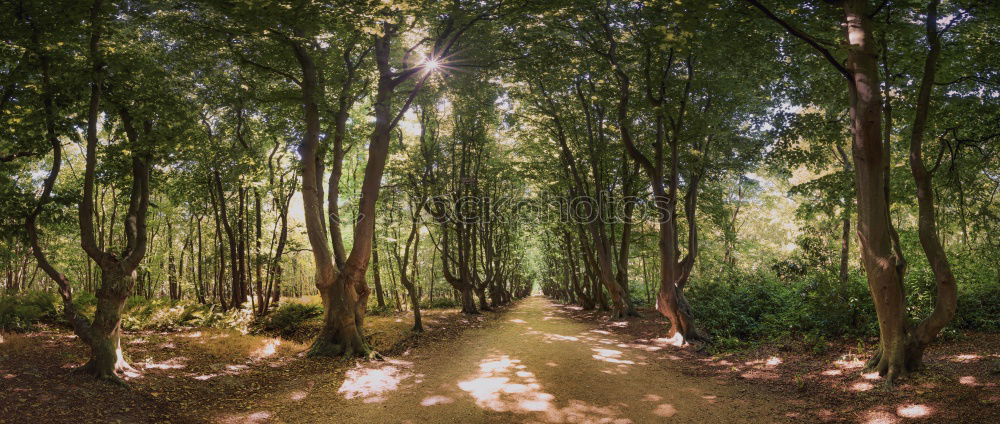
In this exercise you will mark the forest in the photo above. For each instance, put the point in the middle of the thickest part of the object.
(565, 211)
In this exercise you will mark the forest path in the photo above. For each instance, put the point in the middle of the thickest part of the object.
(536, 364)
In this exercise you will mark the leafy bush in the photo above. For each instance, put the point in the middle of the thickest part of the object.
(21, 312)
(741, 309)
(290, 318)
(375, 310)
(978, 306)
(443, 302)
(85, 303)
(737, 308)
(157, 314)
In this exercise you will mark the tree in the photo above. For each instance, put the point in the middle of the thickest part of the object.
(901, 344)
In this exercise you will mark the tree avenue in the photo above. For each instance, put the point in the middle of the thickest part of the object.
(735, 173)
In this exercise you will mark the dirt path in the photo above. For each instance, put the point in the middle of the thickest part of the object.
(534, 365)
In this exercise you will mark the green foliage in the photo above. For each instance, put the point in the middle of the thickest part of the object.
(388, 309)
(21, 312)
(978, 306)
(807, 303)
(443, 302)
(156, 314)
(978, 295)
(740, 309)
(289, 319)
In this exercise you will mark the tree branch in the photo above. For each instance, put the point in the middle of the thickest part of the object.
(812, 41)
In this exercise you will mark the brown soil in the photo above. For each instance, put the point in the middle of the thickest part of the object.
(535, 362)
(961, 382)
(195, 375)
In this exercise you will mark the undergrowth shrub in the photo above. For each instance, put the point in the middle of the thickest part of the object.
(443, 302)
(290, 318)
(376, 310)
(978, 306)
(812, 306)
(22, 311)
(741, 309)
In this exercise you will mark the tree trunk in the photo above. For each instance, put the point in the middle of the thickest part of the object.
(107, 359)
(341, 333)
(171, 267)
(234, 266)
(946, 301)
(845, 248)
(257, 264)
(468, 301)
(883, 266)
(377, 276)
(200, 282)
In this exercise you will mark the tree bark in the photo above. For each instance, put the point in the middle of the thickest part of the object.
(946, 301)
(117, 273)
(883, 266)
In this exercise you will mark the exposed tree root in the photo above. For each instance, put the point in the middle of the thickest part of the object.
(110, 374)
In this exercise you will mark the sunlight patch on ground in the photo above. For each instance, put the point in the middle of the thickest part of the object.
(966, 358)
(832, 372)
(612, 356)
(880, 417)
(760, 374)
(640, 346)
(371, 384)
(862, 387)
(499, 386)
(560, 337)
(436, 400)
(665, 410)
(769, 362)
(253, 417)
(269, 348)
(968, 380)
(913, 411)
(870, 376)
(257, 417)
(170, 364)
(518, 321)
(849, 363)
